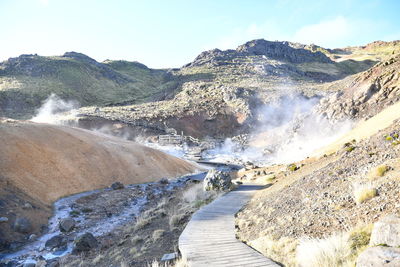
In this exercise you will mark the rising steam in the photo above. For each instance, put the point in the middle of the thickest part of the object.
(286, 131)
(55, 110)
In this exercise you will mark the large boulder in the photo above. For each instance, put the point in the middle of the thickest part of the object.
(22, 225)
(217, 180)
(386, 231)
(378, 257)
(85, 242)
(56, 241)
(66, 225)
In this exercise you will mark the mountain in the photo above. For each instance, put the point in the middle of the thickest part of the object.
(26, 81)
(217, 94)
(221, 91)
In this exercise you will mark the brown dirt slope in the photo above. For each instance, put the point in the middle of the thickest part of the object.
(48, 161)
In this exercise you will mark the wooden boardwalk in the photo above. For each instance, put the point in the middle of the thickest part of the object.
(209, 238)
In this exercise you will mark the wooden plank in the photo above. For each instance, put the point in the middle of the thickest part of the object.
(209, 238)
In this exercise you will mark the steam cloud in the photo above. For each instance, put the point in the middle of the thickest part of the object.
(54, 110)
(288, 130)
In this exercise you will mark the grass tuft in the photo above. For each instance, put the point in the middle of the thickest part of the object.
(359, 238)
(157, 234)
(293, 167)
(364, 192)
(332, 251)
(381, 170)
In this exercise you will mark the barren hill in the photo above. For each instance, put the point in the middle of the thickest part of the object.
(40, 163)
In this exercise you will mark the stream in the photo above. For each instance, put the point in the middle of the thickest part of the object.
(135, 196)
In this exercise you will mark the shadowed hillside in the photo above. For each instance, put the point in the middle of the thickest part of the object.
(26, 81)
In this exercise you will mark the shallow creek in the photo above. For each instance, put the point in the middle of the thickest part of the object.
(135, 197)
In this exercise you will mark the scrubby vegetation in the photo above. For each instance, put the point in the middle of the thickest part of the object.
(178, 263)
(364, 192)
(293, 167)
(337, 250)
(154, 233)
(381, 170)
(330, 252)
(270, 178)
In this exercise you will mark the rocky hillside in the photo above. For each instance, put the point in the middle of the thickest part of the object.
(217, 84)
(364, 95)
(328, 202)
(26, 81)
(222, 90)
(40, 163)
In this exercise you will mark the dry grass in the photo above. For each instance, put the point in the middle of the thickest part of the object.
(359, 238)
(157, 234)
(136, 240)
(181, 262)
(364, 192)
(97, 259)
(330, 252)
(141, 222)
(270, 178)
(196, 193)
(175, 220)
(196, 197)
(337, 250)
(381, 170)
(282, 250)
(133, 251)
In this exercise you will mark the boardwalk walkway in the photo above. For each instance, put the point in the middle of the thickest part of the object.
(209, 238)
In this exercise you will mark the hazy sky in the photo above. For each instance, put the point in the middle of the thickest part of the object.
(170, 33)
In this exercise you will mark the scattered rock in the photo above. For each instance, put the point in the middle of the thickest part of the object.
(379, 256)
(386, 231)
(22, 225)
(169, 257)
(57, 241)
(85, 242)
(29, 263)
(164, 181)
(217, 180)
(53, 263)
(117, 186)
(27, 206)
(67, 224)
(249, 165)
(32, 237)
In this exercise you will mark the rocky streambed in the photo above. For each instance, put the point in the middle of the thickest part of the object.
(89, 220)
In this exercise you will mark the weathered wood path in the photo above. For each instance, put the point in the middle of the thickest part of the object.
(209, 238)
